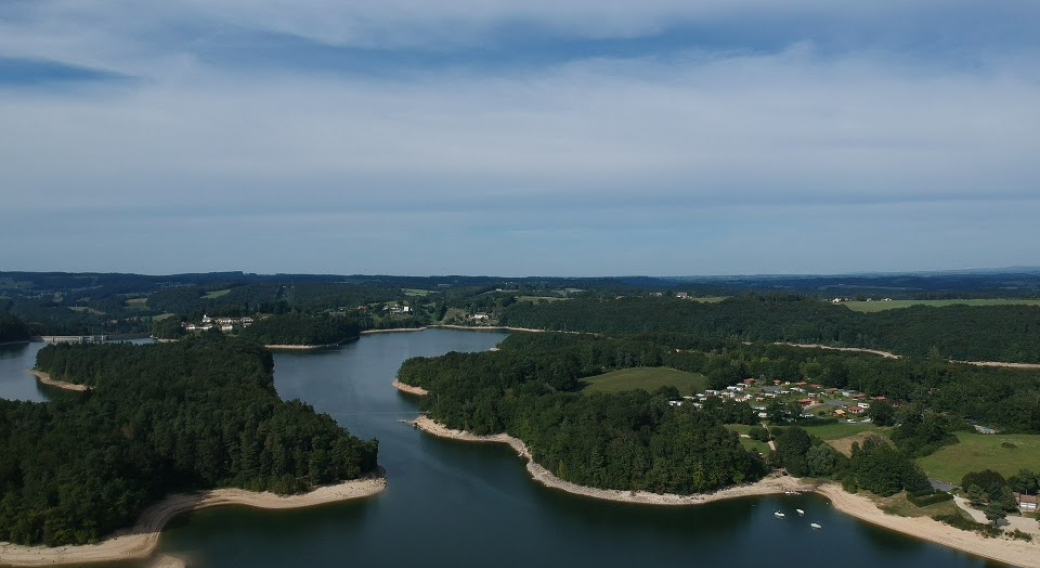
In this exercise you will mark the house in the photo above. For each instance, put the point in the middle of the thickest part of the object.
(1026, 503)
(682, 295)
(856, 410)
(711, 392)
(806, 401)
(749, 382)
(864, 405)
(481, 317)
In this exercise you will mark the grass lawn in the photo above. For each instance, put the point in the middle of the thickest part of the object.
(648, 379)
(534, 299)
(841, 430)
(877, 306)
(976, 452)
(898, 505)
(748, 443)
(415, 292)
(137, 303)
(217, 293)
(86, 309)
(710, 299)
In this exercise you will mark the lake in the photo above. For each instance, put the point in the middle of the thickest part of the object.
(452, 503)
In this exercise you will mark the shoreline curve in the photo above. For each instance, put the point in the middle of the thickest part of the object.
(409, 389)
(46, 379)
(140, 542)
(1014, 552)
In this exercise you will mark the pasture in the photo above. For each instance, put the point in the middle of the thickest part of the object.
(878, 306)
(1004, 453)
(648, 379)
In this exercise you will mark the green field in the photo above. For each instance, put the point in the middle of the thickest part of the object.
(877, 305)
(648, 379)
(534, 299)
(710, 299)
(842, 430)
(418, 292)
(217, 293)
(137, 303)
(976, 452)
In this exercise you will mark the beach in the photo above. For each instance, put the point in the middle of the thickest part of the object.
(140, 542)
(1015, 552)
(46, 379)
(392, 330)
(417, 391)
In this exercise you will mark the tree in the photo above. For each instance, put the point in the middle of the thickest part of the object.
(976, 496)
(882, 414)
(994, 512)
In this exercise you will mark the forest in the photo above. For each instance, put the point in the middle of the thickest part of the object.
(993, 333)
(632, 440)
(298, 329)
(531, 387)
(12, 329)
(197, 414)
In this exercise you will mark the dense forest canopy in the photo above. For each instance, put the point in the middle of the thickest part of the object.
(630, 440)
(992, 333)
(12, 329)
(196, 414)
(531, 388)
(296, 329)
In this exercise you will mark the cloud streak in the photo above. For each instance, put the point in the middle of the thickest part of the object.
(603, 151)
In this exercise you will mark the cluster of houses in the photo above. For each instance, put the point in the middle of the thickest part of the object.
(226, 325)
(843, 300)
(840, 403)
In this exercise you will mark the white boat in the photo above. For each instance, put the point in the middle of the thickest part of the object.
(801, 513)
(778, 515)
(816, 526)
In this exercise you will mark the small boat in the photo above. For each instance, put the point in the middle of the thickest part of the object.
(801, 513)
(778, 514)
(816, 526)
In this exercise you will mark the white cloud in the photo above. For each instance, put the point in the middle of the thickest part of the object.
(593, 158)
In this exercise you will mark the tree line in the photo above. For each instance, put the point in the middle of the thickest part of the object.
(991, 333)
(197, 414)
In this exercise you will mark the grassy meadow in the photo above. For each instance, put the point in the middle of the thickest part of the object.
(878, 306)
(1004, 453)
(648, 379)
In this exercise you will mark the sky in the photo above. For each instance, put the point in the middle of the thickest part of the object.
(519, 137)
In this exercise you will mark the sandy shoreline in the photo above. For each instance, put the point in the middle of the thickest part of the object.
(46, 379)
(140, 541)
(417, 391)
(1015, 552)
(768, 486)
(393, 330)
(277, 347)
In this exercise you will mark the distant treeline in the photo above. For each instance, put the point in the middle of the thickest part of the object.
(12, 329)
(200, 413)
(992, 333)
(631, 440)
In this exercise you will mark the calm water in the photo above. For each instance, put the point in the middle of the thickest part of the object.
(452, 504)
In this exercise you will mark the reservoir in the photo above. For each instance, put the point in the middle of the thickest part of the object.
(452, 504)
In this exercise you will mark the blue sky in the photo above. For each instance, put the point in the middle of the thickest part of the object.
(588, 137)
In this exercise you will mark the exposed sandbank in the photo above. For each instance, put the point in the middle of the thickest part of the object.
(140, 541)
(417, 391)
(278, 347)
(46, 379)
(1015, 552)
